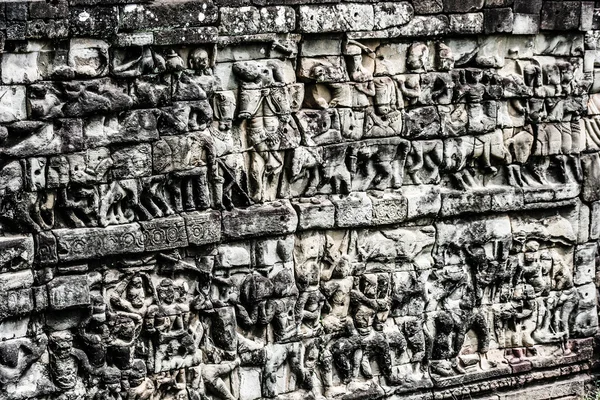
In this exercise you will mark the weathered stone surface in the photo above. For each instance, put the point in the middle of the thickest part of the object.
(334, 200)
(19, 68)
(16, 252)
(12, 103)
(85, 243)
(95, 21)
(460, 6)
(392, 14)
(134, 39)
(560, 15)
(354, 210)
(185, 35)
(350, 17)
(68, 291)
(203, 228)
(525, 24)
(277, 218)
(252, 20)
(54, 10)
(470, 23)
(424, 26)
(498, 20)
(316, 214)
(174, 15)
(428, 6)
(164, 233)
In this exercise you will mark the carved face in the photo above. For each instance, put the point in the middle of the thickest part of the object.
(369, 285)
(453, 273)
(199, 60)
(166, 291)
(446, 58)
(418, 57)
(138, 373)
(61, 343)
(135, 292)
(343, 268)
(318, 72)
(125, 328)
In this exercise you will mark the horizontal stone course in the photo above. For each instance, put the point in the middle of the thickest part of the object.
(342, 200)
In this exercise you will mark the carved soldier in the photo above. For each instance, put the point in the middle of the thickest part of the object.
(264, 103)
(65, 361)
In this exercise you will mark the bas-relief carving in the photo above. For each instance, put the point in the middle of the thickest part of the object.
(120, 163)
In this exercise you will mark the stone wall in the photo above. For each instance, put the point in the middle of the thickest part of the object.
(309, 200)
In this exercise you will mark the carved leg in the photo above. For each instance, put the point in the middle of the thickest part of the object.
(212, 378)
(256, 176)
(296, 365)
(401, 158)
(276, 358)
(175, 189)
(539, 170)
(201, 194)
(383, 177)
(432, 161)
(486, 158)
(576, 161)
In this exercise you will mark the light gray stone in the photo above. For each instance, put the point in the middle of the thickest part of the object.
(12, 103)
(20, 68)
(349, 17)
(470, 23)
(392, 14)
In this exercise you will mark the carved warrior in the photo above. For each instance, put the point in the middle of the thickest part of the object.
(341, 225)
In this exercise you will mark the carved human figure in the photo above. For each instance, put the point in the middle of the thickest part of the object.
(141, 386)
(18, 355)
(454, 298)
(210, 376)
(310, 299)
(276, 355)
(424, 155)
(94, 332)
(170, 316)
(519, 148)
(417, 58)
(336, 284)
(468, 85)
(263, 102)
(197, 83)
(226, 183)
(340, 94)
(486, 277)
(409, 89)
(79, 205)
(566, 298)
(110, 387)
(65, 361)
(142, 60)
(367, 307)
(462, 152)
(445, 57)
(552, 80)
(121, 344)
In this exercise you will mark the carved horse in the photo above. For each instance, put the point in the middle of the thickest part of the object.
(425, 153)
(305, 164)
(461, 153)
(381, 163)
